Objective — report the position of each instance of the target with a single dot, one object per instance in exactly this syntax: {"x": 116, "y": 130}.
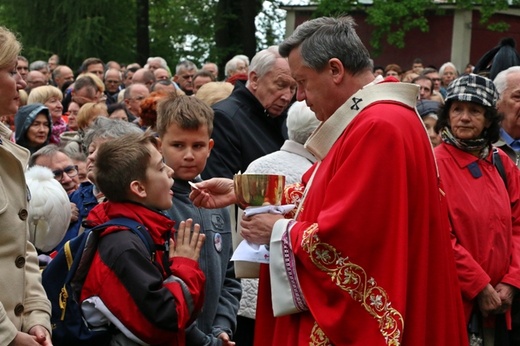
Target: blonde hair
{"x": 212, "y": 92}
{"x": 23, "y": 97}
{"x": 43, "y": 93}
{"x": 9, "y": 47}
{"x": 89, "y": 112}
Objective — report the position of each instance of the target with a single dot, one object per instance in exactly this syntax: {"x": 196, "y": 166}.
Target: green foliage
{"x": 178, "y": 29}
{"x": 498, "y": 27}
{"x": 182, "y": 29}
{"x": 491, "y": 6}
{"x": 73, "y": 30}
{"x": 392, "y": 19}
{"x": 335, "y": 8}
{"x": 269, "y": 24}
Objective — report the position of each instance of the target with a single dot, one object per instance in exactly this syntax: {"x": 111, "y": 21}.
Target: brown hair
{"x": 204, "y": 73}
{"x": 91, "y": 61}
{"x": 91, "y": 81}
{"x": 185, "y": 111}
{"x": 121, "y": 161}
{"x": 394, "y": 67}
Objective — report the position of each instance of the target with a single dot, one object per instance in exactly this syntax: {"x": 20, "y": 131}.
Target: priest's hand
{"x": 506, "y": 293}
{"x": 257, "y": 229}
{"x": 488, "y": 300}
{"x": 213, "y": 193}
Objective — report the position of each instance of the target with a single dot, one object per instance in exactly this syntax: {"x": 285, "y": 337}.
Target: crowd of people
{"x": 406, "y": 229}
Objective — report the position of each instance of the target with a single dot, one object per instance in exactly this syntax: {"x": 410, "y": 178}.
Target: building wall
{"x": 483, "y": 40}
{"x": 437, "y": 46}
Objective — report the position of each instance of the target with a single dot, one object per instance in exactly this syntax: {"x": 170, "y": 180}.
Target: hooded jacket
{"x": 152, "y": 307}
{"x": 24, "y": 119}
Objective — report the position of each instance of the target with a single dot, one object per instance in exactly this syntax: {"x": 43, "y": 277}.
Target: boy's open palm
{"x": 188, "y": 244}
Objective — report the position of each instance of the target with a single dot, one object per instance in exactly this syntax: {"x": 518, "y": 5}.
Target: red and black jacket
{"x": 151, "y": 304}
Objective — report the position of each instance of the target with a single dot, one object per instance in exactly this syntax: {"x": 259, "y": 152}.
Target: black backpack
{"x": 63, "y": 280}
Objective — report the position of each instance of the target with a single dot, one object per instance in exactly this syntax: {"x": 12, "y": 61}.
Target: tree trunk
{"x": 235, "y": 28}
{"x": 143, "y": 35}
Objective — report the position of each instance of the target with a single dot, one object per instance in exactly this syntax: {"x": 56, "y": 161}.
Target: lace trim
{"x": 290, "y": 269}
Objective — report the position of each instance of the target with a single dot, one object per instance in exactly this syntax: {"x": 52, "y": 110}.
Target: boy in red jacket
{"x": 149, "y": 300}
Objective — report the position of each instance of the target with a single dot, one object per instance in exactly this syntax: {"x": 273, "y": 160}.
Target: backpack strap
{"x": 142, "y": 233}
{"x": 497, "y": 162}
{"x": 136, "y": 228}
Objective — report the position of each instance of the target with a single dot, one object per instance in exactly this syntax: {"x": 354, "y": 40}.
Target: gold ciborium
{"x": 256, "y": 190}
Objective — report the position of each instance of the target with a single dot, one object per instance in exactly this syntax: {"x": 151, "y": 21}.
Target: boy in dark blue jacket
{"x": 184, "y": 125}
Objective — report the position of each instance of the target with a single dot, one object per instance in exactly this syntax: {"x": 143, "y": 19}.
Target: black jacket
{"x": 243, "y": 132}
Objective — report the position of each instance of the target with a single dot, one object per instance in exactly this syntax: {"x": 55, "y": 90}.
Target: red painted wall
{"x": 482, "y": 40}
{"x": 434, "y": 46}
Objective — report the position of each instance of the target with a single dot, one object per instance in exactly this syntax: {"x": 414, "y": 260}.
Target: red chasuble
{"x": 371, "y": 245}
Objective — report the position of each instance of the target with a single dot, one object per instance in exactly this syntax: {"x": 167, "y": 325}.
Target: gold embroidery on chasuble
{"x": 353, "y": 279}
{"x": 318, "y": 337}
{"x": 293, "y": 194}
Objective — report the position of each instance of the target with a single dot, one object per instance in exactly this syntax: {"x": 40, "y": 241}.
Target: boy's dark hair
{"x": 121, "y": 161}
{"x": 187, "y": 112}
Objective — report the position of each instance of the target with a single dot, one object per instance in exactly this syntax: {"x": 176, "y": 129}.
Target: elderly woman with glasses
{"x": 482, "y": 192}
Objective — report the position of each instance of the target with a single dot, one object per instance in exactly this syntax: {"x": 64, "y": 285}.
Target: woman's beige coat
{"x": 23, "y": 302}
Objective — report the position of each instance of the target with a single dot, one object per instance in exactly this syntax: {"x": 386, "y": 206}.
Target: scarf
{"x": 468, "y": 145}
{"x": 57, "y": 129}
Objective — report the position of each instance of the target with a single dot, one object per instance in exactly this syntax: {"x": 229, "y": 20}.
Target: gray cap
{"x": 473, "y": 88}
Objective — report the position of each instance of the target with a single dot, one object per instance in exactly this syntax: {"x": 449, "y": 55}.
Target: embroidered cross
{"x": 355, "y": 105}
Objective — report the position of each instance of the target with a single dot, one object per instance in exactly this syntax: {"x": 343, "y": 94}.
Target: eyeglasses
{"x": 71, "y": 171}
{"x": 436, "y": 79}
